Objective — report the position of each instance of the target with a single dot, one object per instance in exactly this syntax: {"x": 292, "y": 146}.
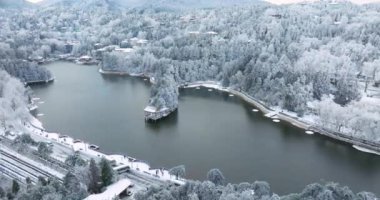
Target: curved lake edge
{"x": 357, "y": 143}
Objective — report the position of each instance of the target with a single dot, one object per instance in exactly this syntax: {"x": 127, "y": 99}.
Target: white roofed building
{"x": 116, "y": 190}
{"x": 153, "y": 113}
{"x": 124, "y": 50}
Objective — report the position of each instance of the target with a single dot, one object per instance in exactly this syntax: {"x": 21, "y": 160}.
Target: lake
{"x": 209, "y": 130}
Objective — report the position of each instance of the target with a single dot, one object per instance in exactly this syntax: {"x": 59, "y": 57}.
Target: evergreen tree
{"x": 28, "y": 180}
{"x": 2, "y": 192}
{"x": 44, "y": 150}
{"x": 106, "y": 172}
{"x": 73, "y": 188}
{"x": 42, "y": 181}
{"x": 216, "y": 176}
{"x": 70, "y": 182}
{"x": 94, "y": 178}
{"x": 178, "y": 171}
{"x": 75, "y": 160}
{"x": 15, "y": 186}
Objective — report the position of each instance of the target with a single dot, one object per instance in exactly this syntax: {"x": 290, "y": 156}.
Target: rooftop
{"x": 125, "y": 50}
{"x": 112, "y": 191}
{"x": 153, "y": 109}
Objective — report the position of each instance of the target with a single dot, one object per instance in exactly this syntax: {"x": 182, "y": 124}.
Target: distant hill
{"x": 183, "y": 4}
{"x": 169, "y": 4}
{"x": 198, "y": 3}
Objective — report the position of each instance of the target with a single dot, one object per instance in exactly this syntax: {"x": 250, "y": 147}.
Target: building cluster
{"x": 126, "y": 46}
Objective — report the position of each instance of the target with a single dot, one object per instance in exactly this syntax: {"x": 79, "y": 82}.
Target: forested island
{"x": 318, "y": 62}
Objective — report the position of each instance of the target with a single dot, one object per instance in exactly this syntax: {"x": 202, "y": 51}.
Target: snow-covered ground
{"x": 32, "y": 162}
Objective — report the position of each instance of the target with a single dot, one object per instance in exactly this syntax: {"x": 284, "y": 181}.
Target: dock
{"x": 271, "y": 114}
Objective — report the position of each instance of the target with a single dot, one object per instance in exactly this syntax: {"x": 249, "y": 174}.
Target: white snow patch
{"x": 255, "y": 110}
{"x": 365, "y": 150}
{"x": 151, "y": 109}
{"x": 36, "y": 123}
{"x": 276, "y": 120}
{"x": 370, "y": 100}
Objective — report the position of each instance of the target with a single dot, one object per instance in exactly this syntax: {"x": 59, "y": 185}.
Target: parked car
{"x": 93, "y": 147}
{"x": 11, "y": 133}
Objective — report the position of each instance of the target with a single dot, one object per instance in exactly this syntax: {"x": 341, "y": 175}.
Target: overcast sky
{"x": 284, "y": 1}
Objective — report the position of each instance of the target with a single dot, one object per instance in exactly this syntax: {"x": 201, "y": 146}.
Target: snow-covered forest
{"x": 286, "y": 56}
{"x": 14, "y": 98}
{"x": 19, "y": 49}
{"x": 294, "y": 57}
{"x": 215, "y": 189}
{"x": 320, "y": 61}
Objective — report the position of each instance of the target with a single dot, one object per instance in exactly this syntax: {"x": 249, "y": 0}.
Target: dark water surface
{"x": 209, "y": 130}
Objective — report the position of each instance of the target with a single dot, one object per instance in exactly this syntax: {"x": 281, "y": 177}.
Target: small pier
{"x": 271, "y": 114}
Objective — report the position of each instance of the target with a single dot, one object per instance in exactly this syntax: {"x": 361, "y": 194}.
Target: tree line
{"x": 216, "y": 187}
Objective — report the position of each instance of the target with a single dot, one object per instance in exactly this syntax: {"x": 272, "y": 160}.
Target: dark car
{"x": 93, "y": 147}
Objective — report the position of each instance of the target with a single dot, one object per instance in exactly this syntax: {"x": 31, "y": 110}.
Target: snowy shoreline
{"x": 136, "y": 165}
{"x": 358, "y": 145}
{"x": 121, "y": 73}
{"x": 297, "y": 122}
